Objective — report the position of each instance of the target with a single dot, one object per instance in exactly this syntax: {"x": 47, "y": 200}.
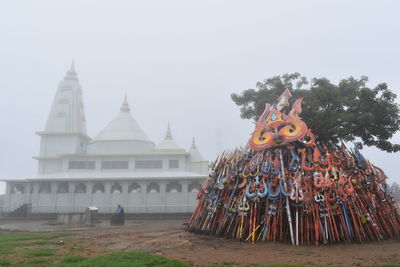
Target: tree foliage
{"x": 343, "y": 111}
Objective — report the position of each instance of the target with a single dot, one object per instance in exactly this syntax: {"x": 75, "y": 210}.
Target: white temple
{"x": 121, "y": 165}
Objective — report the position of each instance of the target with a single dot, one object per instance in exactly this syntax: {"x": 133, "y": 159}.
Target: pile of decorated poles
{"x": 297, "y": 193}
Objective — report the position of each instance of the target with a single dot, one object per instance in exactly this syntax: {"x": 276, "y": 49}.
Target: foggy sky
{"x": 179, "y": 61}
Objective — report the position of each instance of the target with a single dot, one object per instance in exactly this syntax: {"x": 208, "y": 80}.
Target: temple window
{"x": 98, "y": 188}
{"x": 153, "y": 187}
{"x": 194, "y": 186}
{"x": 81, "y": 165}
{"x": 80, "y": 188}
{"x": 134, "y": 188}
{"x": 148, "y": 164}
{"x": 174, "y": 187}
{"x": 173, "y": 164}
{"x": 45, "y": 188}
{"x": 63, "y": 188}
{"x": 114, "y": 165}
{"x": 116, "y": 188}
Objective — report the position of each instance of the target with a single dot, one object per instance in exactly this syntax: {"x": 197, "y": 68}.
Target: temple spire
{"x": 193, "y": 143}
{"x": 125, "y": 105}
{"x": 169, "y": 143}
{"x": 194, "y": 152}
{"x": 71, "y": 74}
{"x": 168, "y": 135}
{"x": 72, "y": 69}
{"x": 67, "y": 111}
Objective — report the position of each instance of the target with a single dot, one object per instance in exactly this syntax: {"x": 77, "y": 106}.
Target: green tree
{"x": 343, "y": 111}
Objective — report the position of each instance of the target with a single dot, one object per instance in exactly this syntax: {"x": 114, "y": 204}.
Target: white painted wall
{"x": 2, "y": 188}
{"x": 119, "y": 147}
{"x": 133, "y": 202}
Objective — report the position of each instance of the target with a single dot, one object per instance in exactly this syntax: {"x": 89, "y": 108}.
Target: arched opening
{"x": 98, "y": 188}
{"x": 63, "y": 188}
{"x": 194, "y": 187}
{"x": 174, "y": 187}
{"x": 116, "y": 188}
{"x": 153, "y": 187}
{"x": 18, "y": 189}
{"x": 134, "y": 188}
{"x": 45, "y": 188}
{"x": 80, "y": 188}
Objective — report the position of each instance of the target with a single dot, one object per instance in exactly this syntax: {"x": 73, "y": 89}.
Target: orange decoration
{"x": 275, "y": 128}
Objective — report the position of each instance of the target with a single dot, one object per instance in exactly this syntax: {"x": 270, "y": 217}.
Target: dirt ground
{"x": 168, "y": 238}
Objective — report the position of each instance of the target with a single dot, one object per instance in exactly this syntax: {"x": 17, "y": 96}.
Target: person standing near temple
{"x": 119, "y": 217}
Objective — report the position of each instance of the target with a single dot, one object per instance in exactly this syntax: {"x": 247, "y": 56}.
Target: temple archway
{"x": 174, "y": 187}
{"x": 134, "y": 188}
{"x": 153, "y": 187}
{"x": 62, "y": 188}
{"x": 18, "y": 189}
{"x": 194, "y": 187}
{"x": 80, "y": 188}
{"x": 45, "y": 188}
{"x": 98, "y": 188}
{"x": 116, "y": 188}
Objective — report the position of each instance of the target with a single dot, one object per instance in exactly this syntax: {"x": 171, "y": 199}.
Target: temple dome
{"x": 168, "y": 143}
{"x": 122, "y": 127}
{"x": 122, "y": 135}
{"x": 194, "y": 152}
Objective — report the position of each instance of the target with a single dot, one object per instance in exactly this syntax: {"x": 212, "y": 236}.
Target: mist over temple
{"x": 120, "y": 165}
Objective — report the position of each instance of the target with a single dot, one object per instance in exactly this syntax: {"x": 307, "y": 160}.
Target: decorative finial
{"x": 125, "y": 105}
{"x": 72, "y": 69}
{"x": 193, "y": 143}
{"x": 168, "y": 135}
{"x": 71, "y": 74}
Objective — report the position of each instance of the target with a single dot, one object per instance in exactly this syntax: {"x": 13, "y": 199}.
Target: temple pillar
{"x": 53, "y": 197}
{"x": 185, "y": 188}
{"x": 71, "y": 190}
{"x": 107, "y": 196}
{"x": 125, "y": 186}
{"x": 89, "y": 189}
{"x": 7, "y": 201}
{"x": 163, "y": 192}
{"x": 35, "y": 196}
{"x": 143, "y": 186}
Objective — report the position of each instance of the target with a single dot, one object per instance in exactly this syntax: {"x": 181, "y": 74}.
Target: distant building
{"x": 121, "y": 165}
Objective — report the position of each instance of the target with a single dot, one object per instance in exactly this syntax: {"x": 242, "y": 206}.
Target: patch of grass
{"x": 40, "y": 252}
{"x": 41, "y": 243}
{"x": 10, "y": 240}
{"x": 76, "y": 248}
{"x": 4, "y": 262}
{"x": 16, "y": 236}
{"x": 38, "y": 261}
{"x": 125, "y": 259}
{"x": 73, "y": 259}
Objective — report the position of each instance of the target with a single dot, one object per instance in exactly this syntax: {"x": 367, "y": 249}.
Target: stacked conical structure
{"x": 285, "y": 186}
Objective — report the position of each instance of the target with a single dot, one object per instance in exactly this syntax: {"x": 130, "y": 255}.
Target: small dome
{"x": 168, "y": 143}
{"x": 194, "y": 152}
{"x": 122, "y": 127}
